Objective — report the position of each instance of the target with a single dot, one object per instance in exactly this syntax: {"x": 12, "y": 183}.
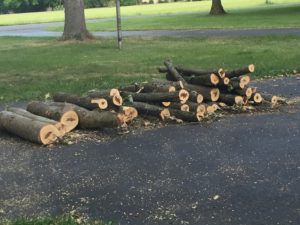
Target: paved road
{"x": 40, "y": 30}
{"x": 240, "y": 170}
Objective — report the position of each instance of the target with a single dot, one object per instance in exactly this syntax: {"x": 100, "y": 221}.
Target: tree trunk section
{"x": 150, "y": 110}
{"x": 217, "y": 8}
{"x": 28, "y": 129}
{"x": 75, "y": 26}
{"x": 65, "y": 116}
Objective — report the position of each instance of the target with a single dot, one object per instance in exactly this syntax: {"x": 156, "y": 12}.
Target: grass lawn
{"x": 201, "y": 7}
{"x": 33, "y": 67}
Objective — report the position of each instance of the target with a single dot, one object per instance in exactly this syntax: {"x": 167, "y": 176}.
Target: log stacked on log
{"x": 186, "y": 94}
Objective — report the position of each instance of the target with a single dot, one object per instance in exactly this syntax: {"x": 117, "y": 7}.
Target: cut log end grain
{"x": 114, "y": 92}
{"x": 239, "y": 100}
{"x": 130, "y": 113}
{"x": 201, "y": 109}
{"x": 226, "y": 81}
{"x": 166, "y": 104}
{"x": 165, "y": 114}
{"x": 221, "y": 73}
{"x": 185, "y": 108}
{"x": 251, "y": 68}
{"x": 257, "y": 98}
{"x": 102, "y": 103}
{"x": 49, "y": 134}
{"x": 69, "y": 120}
{"x": 117, "y": 100}
{"x": 172, "y": 89}
{"x": 245, "y": 79}
{"x": 183, "y": 96}
{"x": 214, "y": 79}
{"x": 215, "y": 94}
{"x": 199, "y": 116}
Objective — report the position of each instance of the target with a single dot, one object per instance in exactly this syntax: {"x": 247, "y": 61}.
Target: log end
{"x": 69, "y": 120}
{"x": 130, "y": 113}
{"x": 245, "y": 79}
{"x": 214, "y": 79}
{"x": 172, "y": 89}
{"x": 183, "y": 95}
{"x": 185, "y": 108}
{"x": 215, "y": 94}
{"x": 251, "y": 68}
{"x": 221, "y": 73}
{"x": 226, "y": 81}
{"x": 49, "y": 134}
{"x": 248, "y": 92}
{"x": 200, "y": 98}
{"x": 201, "y": 109}
{"x": 102, "y": 103}
{"x": 165, "y": 114}
{"x": 257, "y": 98}
{"x": 239, "y": 100}
{"x": 166, "y": 104}
{"x": 199, "y": 116}
{"x": 117, "y": 100}
{"x": 114, "y": 92}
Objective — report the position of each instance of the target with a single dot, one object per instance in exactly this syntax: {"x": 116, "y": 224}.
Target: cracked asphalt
{"x": 242, "y": 169}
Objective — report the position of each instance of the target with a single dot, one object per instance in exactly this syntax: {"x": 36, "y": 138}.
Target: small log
{"x": 93, "y": 119}
{"x": 181, "y": 95}
{"x": 150, "y": 110}
{"x": 111, "y": 101}
{"x": 22, "y": 112}
{"x": 130, "y": 113}
{"x": 211, "y": 107}
{"x": 28, "y": 129}
{"x": 195, "y": 97}
{"x": 194, "y": 107}
{"x": 247, "y": 91}
{"x": 209, "y": 94}
{"x": 146, "y": 87}
{"x": 101, "y": 93}
{"x": 85, "y": 102}
{"x": 256, "y": 98}
{"x": 240, "y": 72}
{"x": 270, "y": 98}
{"x": 186, "y": 116}
{"x": 179, "y": 106}
{"x": 224, "y": 82}
{"x": 67, "y": 117}
{"x": 231, "y": 99}
{"x": 206, "y": 80}
{"x": 174, "y": 73}
{"x": 193, "y": 72}
{"x": 236, "y": 84}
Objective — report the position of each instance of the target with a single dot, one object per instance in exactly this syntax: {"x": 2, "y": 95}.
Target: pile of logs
{"x": 186, "y": 94}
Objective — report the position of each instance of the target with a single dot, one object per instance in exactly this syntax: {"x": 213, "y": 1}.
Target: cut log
{"x": 224, "y": 82}
{"x": 67, "y": 117}
{"x": 146, "y": 87}
{"x": 270, "y": 98}
{"x": 194, "y": 107}
{"x": 256, "y": 98}
{"x": 181, "y": 96}
{"x": 240, "y": 72}
{"x": 236, "y": 84}
{"x": 231, "y": 99}
{"x": 174, "y": 73}
{"x": 103, "y": 93}
{"x": 22, "y": 112}
{"x": 186, "y": 116}
{"x": 195, "y": 97}
{"x": 206, "y": 80}
{"x": 209, "y": 94}
{"x": 93, "y": 119}
{"x": 28, "y": 129}
{"x": 179, "y": 106}
{"x": 150, "y": 110}
{"x": 247, "y": 91}
{"x": 130, "y": 113}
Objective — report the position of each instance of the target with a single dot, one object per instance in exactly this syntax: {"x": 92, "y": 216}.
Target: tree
{"x": 75, "y": 26}
{"x": 217, "y": 8}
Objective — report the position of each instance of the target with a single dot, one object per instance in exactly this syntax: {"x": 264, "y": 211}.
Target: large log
{"x": 186, "y": 116}
{"x": 240, "y": 72}
{"x": 92, "y": 119}
{"x": 231, "y": 99}
{"x": 150, "y": 110}
{"x": 22, "y": 112}
{"x": 28, "y": 129}
{"x": 174, "y": 73}
{"x": 158, "y": 97}
{"x": 206, "y": 80}
{"x": 209, "y": 94}
{"x": 66, "y": 116}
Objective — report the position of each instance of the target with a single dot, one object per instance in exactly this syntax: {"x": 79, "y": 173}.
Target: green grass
{"x": 33, "y": 67}
{"x": 287, "y": 17}
{"x": 62, "y": 220}
{"x": 170, "y": 8}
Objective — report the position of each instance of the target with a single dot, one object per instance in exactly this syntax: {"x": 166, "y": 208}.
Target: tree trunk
{"x": 75, "y": 27}
{"x": 217, "y": 8}
{"x": 66, "y": 116}
{"x": 28, "y": 129}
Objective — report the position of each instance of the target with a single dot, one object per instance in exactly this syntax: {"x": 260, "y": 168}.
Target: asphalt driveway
{"x": 241, "y": 169}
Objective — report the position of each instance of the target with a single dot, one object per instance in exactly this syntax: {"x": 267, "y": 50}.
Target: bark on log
{"x": 209, "y": 94}
{"x": 28, "y": 129}
{"x": 22, "y": 112}
{"x": 174, "y": 73}
{"x": 195, "y": 97}
{"x": 206, "y": 80}
{"x": 67, "y": 117}
{"x": 231, "y": 99}
{"x": 240, "y": 72}
{"x": 186, "y": 116}
{"x": 256, "y": 98}
{"x": 247, "y": 91}
{"x": 150, "y": 110}
{"x": 179, "y": 106}
{"x": 270, "y": 98}
{"x": 193, "y": 72}
{"x": 194, "y": 107}
{"x": 181, "y": 95}
{"x": 103, "y": 93}
{"x": 149, "y": 87}
{"x": 92, "y": 119}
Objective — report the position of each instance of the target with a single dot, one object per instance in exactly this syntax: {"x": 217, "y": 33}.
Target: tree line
{"x": 19, "y": 6}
